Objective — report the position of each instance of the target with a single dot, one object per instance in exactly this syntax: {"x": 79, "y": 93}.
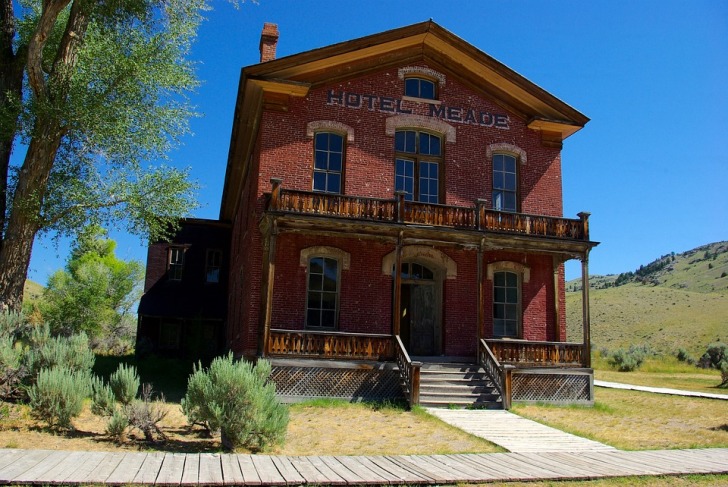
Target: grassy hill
{"x": 676, "y": 301}
{"x": 32, "y": 290}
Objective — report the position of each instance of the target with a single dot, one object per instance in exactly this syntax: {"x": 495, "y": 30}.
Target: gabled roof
{"x": 271, "y": 83}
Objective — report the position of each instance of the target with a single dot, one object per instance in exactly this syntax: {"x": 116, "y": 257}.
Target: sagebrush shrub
{"x": 627, "y": 360}
{"x": 58, "y": 394}
{"x": 124, "y": 382}
{"x": 716, "y": 357}
{"x": 237, "y": 399}
{"x": 73, "y": 352}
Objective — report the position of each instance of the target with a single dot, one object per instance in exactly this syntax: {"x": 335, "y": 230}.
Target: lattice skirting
{"x": 563, "y": 386}
{"x": 294, "y": 383}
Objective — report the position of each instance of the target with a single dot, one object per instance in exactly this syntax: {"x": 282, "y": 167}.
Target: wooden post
{"x": 266, "y": 286}
{"x": 557, "y": 302}
{"x": 275, "y": 194}
{"x": 480, "y": 205}
{"x": 415, "y": 392}
{"x": 507, "y": 378}
{"x": 399, "y": 195}
{"x": 584, "y": 215}
{"x": 481, "y": 294}
{"x": 586, "y": 359}
{"x": 397, "y": 300}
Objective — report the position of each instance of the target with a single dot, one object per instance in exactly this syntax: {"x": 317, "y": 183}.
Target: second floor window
{"x": 418, "y": 165}
{"x": 213, "y": 265}
{"x": 505, "y": 182}
{"x": 328, "y": 164}
{"x": 176, "y": 263}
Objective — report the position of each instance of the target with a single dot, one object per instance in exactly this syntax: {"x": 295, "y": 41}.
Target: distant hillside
{"x": 32, "y": 290}
{"x": 676, "y": 301}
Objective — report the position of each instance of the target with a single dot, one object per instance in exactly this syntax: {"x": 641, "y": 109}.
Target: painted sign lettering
{"x": 388, "y": 104}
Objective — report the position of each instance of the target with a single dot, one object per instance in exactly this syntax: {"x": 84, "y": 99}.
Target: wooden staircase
{"x": 457, "y": 385}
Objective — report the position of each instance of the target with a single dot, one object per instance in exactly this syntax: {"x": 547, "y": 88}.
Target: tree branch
{"x": 49, "y": 15}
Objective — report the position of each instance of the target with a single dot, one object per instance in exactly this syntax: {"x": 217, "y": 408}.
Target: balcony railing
{"x": 329, "y": 345}
{"x": 398, "y": 210}
{"x": 535, "y": 354}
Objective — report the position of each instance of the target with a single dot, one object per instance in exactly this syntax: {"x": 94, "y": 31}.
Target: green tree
{"x": 93, "y": 89}
{"x": 96, "y": 291}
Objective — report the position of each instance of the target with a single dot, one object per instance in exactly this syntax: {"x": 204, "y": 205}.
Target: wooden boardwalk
{"x": 515, "y": 433}
{"x": 660, "y": 390}
{"x": 177, "y": 469}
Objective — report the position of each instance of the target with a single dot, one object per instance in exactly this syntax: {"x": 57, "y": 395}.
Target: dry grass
{"x": 631, "y": 420}
{"x": 342, "y": 429}
{"x": 679, "y": 481}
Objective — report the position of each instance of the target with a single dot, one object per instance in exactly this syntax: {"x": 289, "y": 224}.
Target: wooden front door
{"x": 419, "y": 312}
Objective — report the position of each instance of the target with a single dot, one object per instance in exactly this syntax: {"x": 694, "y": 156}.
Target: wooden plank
{"x": 486, "y": 471}
{"x": 427, "y": 462}
{"x": 267, "y": 471}
{"x": 8, "y": 456}
{"x": 566, "y": 469}
{"x": 366, "y": 475}
{"x": 287, "y": 470}
{"x": 28, "y": 460}
{"x": 617, "y": 459}
{"x": 89, "y": 462}
{"x": 171, "y": 470}
{"x": 404, "y": 475}
{"x": 231, "y": 473}
{"x": 99, "y": 473}
{"x": 247, "y": 470}
{"x": 191, "y": 472}
{"x": 210, "y": 469}
{"x": 718, "y": 460}
{"x": 38, "y": 471}
{"x": 592, "y": 465}
{"x": 332, "y": 477}
{"x": 67, "y": 466}
{"x": 310, "y": 473}
{"x": 514, "y": 468}
{"x": 373, "y": 467}
{"x": 127, "y": 469}
{"x": 342, "y": 470}
{"x": 149, "y": 470}
{"x": 404, "y": 462}
{"x": 470, "y": 472}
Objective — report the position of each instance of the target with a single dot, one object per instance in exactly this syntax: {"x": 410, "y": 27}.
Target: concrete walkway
{"x": 515, "y": 433}
{"x": 660, "y": 390}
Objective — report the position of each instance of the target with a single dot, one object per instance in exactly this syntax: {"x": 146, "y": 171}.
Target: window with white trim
{"x": 505, "y": 182}
{"x": 506, "y": 304}
{"x": 328, "y": 164}
{"x": 323, "y": 293}
{"x": 175, "y": 263}
{"x": 418, "y": 165}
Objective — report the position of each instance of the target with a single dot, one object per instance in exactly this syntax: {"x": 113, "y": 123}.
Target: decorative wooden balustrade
{"x": 409, "y": 372}
{"x": 499, "y": 374}
{"x": 329, "y": 345}
{"x": 535, "y": 354}
{"x": 397, "y": 210}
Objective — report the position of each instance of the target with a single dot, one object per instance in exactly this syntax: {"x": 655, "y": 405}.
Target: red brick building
{"x": 394, "y": 196}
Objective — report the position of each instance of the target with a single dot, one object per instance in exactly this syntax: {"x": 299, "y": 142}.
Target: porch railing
{"x": 478, "y": 217}
{"x": 329, "y": 345}
{"x": 499, "y": 374}
{"x": 409, "y": 373}
{"x": 528, "y": 353}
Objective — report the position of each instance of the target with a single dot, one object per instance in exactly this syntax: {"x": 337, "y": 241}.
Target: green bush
{"x": 716, "y": 357}
{"x": 683, "y": 356}
{"x": 124, "y": 383}
{"x": 237, "y": 399}
{"x": 58, "y": 394}
{"x": 73, "y": 352}
{"x": 628, "y": 360}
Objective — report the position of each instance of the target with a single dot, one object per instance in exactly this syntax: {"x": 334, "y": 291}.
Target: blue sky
{"x": 651, "y": 166}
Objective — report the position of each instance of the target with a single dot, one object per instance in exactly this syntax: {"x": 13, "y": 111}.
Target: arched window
{"x": 418, "y": 165}
{"x": 505, "y": 182}
{"x": 322, "y": 304}
{"x": 328, "y": 164}
{"x": 506, "y": 304}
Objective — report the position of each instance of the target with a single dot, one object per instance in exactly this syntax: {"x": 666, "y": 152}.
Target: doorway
{"x": 420, "y": 310}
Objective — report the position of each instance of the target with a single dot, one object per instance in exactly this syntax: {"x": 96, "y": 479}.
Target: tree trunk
{"x": 25, "y": 220}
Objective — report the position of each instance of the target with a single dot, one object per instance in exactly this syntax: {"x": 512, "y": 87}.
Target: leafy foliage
{"x": 95, "y": 293}
{"x": 58, "y": 394}
{"x": 716, "y": 357}
{"x": 237, "y": 399}
{"x": 627, "y": 360}
{"x": 124, "y": 384}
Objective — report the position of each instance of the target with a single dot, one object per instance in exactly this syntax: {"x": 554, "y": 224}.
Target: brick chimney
{"x": 268, "y": 42}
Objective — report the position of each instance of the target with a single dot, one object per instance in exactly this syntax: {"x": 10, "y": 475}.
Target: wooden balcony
{"x": 477, "y": 218}
{"x": 523, "y": 353}
{"x": 329, "y": 345}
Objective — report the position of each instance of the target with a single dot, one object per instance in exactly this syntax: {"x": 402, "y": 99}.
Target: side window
{"x": 505, "y": 182}
{"x": 213, "y": 265}
{"x": 418, "y": 165}
{"x": 175, "y": 263}
{"x": 420, "y": 88}
{"x": 328, "y": 165}
{"x": 506, "y": 305}
{"x": 323, "y": 293}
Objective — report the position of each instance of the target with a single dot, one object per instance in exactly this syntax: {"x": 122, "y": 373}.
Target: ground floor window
{"x": 506, "y": 304}
{"x": 323, "y": 293}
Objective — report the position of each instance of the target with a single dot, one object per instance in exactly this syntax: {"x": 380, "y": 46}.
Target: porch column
{"x": 558, "y": 337}
{"x": 481, "y": 293}
{"x": 270, "y": 231}
{"x": 585, "y": 308}
{"x": 397, "y": 299}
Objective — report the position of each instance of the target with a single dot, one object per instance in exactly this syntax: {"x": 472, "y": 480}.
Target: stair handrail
{"x": 409, "y": 372}
{"x": 500, "y": 374}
